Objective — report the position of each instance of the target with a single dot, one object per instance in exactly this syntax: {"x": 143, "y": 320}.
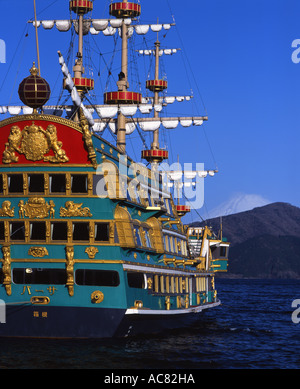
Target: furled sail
{"x": 107, "y": 26}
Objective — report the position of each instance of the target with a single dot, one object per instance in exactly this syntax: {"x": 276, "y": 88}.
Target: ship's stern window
{"x": 38, "y": 231}
{"x": 79, "y": 183}
{"x": 101, "y": 232}
{"x": 2, "y": 234}
{"x": 57, "y": 183}
{"x": 81, "y": 231}
{"x": 36, "y": 183}
{"x": 1, "y": 183}
{"x": 17, "y": 231}
{"x": 59, "y": 231}
{"x": 15, "y": 183}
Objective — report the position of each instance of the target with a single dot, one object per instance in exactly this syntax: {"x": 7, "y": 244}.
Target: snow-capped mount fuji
{"x": 239, "y": 202}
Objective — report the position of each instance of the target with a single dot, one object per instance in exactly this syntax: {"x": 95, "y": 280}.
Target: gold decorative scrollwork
{"x": 6, "y": 269}
{"x": 34, "y": 142}
{"x": 5, "y": 210}
{"x": 38, "y": 252}
{"x": 36, "y": 207}
{"x": 72, "y": 209}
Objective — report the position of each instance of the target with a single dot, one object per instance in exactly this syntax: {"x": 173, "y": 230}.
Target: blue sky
{"x": 240, "y": 56}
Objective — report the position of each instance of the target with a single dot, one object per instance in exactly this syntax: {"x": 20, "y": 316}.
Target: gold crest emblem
{"x": 36, "y": 207}
{"x": 34, "y": 142}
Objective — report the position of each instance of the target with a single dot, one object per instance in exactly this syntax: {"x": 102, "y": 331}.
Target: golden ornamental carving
{"x": 91, "y": 252}
{"x": 36, "y": 207}
{"x": 87, "y": 137}
{"x": 97, "y": 297}
{"x": 38, "y": 252}
{"x": 70, "y": 269}
{"x": 34, "y": 142}
{"x": 149, "y": 283}
{"x": 71, "y": 209}
{"x": 5, "y": 210}
{"x": 6, "y": 269}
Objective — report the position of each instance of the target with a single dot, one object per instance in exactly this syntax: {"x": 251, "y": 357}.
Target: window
{"x": 99, "y": 185}
{"x": 2, "y": 234}
{"x": 97, "y": 277}
{"x": 38, "y": 231}
{"x": 15, "y": 183}
{"x": 102, "y": 232}
{"x": 1, "y": 183}
{"x": 147, "y": 238}
{"x": 57, "y": 183}
{"x": 81, "y": 231}
{"x": 137, "y": 235}
{"x": 36, "y": 183}
{"x": 79, "y": 183}
{"x": 136, "y": 280}
{"x": 59, "y": 231}
{"x": 39, "y": 276}
{"x": 17, "y": 231}
{"x": 223, "y": 251}
{"x": 1, "y": 276}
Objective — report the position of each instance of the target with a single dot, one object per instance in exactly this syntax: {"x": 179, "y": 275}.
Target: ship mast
{"x": 123, "y": 10}
{"x": 155, "y": 155}
{"x": 82, "y": 84}
{"x": 37, "y": 39}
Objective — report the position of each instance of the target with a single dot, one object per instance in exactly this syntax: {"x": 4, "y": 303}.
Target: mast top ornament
{"x": 34, "y": 91}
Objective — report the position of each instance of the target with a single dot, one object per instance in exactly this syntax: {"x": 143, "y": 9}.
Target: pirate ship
{"x": 92, "y": 242}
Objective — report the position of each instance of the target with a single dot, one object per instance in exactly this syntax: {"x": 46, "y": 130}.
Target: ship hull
{"x": 80, "y": 322}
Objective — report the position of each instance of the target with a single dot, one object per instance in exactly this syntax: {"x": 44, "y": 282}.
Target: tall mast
{"x": 37, "y": 39}
{"x": 123, "y": 10}
{"x": 155, "y": 155}
{"x": 82, "y": 84}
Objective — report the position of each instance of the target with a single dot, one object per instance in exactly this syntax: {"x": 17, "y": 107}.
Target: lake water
{"x": 252, "y": 329}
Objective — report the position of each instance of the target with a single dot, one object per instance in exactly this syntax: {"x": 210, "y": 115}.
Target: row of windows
{"x": 24, "y": 183}
{"x": 63, "y": 231}
{"x": 175, "y": 245}
{"x": 168, "y": 283}
{"x": 90, "y": 277}
{"x": 58, "y": 183}
{"x": 21, "y": 231}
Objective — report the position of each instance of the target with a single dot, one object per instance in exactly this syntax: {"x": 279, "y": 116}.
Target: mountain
{"x": 239, "y": 202}
{"x": 265, "y": 241}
